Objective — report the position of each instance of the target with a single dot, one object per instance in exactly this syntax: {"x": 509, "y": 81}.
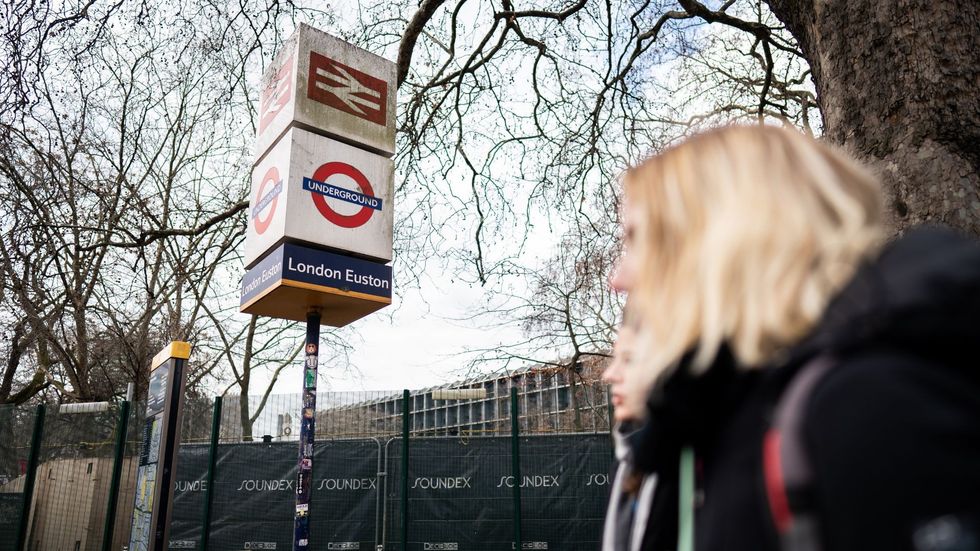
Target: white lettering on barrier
{"x": 347, "y": 484}
{"x": 190, "y": 485}
{"x": 265, "y": 486}
{"x": 445, "y": 483}
{"x": 441, "y": 546}
{"x": 536, "y": 481}
{"x": 598, "y": 479}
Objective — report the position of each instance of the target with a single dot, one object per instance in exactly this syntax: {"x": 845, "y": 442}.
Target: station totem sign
{"x": 322, "y": 182}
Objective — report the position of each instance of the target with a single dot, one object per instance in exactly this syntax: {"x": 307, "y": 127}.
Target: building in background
{"x": 551, "y": 399}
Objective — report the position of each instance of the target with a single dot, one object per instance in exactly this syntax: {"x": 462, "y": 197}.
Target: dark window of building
{"x": 563, "y": 398}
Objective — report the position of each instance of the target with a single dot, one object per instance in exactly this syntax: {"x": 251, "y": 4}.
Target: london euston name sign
{"x": 293, "y": 278}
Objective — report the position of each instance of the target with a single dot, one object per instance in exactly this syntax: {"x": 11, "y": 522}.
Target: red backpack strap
{"x": 786, "y": 465}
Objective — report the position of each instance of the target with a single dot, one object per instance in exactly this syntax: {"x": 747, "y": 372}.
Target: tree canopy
{"x": 125, "y": 150}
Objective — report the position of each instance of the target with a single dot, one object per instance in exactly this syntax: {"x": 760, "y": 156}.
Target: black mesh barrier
{"x": 346, "y": 494}
{"x": 10, "y": 507}
{"x": 455, "y": 496}
{"x": 564, "y": 490}
{"x": 254, "y": 496}
{"x": 459, "y": 475}
{"x": 461, "y": 492}
{"x": 16, "y": 427}
{"x": 190, "y": 485}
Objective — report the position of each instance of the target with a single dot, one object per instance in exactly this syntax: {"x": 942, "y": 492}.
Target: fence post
{"x": 31, "y": 475}
{"x": 406, "y": 425}
{"x": 212, "y": 460}
{"x": 515, "y": 427}
{"x": 612, "y": 419}
{"x": 122, "y": 430}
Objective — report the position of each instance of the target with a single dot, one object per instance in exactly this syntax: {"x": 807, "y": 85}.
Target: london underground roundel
{"x": 321, "y": 191}
{"x": 266, "y": 200}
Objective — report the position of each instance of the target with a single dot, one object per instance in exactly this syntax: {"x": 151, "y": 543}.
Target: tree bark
{"x": 897, "y": 83}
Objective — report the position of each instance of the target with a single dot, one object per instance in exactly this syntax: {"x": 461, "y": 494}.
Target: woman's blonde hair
{"x": 744, "y": 234}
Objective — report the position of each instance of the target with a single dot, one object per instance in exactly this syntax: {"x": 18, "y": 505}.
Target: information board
{"x": 158, "y": 449}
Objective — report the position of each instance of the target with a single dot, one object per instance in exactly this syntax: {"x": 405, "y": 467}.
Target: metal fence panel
{"x": 16, "y": 426}
{"x": 459, "y": 477}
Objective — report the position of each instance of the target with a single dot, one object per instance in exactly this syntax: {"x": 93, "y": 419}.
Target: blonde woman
{"x": 631, "y": 501}
{"x": 807, "y": 384}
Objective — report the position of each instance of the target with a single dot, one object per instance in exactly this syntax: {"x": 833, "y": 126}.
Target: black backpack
{"x": 789, "y": 478}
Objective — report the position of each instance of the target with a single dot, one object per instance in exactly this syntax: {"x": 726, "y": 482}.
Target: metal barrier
{"x": 503, "y": 468}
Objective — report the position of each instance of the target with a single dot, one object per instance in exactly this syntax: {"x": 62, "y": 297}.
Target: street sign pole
{"x": 307, "y": 434}
{"x": 320, "y": 220}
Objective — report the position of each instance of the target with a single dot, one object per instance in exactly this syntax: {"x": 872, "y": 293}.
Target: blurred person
{"x": 810, "y": 386}
{"x": 631, "y": 501}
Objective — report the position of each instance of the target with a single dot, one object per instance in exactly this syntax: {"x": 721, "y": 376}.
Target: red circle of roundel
{"x": 271, "y": 177}
{"x": 357, "y": 219}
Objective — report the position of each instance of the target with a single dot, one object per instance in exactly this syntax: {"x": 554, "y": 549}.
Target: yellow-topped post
{"x": 158, "y": 452}
{"x": 176, "y": 349}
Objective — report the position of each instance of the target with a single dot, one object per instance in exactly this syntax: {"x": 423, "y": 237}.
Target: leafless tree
{"x": 528, "y": 114}
{"x": 124, "y": 170}
{"x": 125, "y": 129}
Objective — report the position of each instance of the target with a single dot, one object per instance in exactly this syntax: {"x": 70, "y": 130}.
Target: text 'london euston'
{"x": 348, "y": 275}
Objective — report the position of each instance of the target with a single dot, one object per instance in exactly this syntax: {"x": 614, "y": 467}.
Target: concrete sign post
{"x": 158, "y": 451}
{"x": 320, "y": 217}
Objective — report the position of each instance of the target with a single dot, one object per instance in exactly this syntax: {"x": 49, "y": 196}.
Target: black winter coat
{"x": 893, "y": 431}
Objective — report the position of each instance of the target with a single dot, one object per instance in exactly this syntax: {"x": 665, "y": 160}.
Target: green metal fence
{"x": 514, "y": 464}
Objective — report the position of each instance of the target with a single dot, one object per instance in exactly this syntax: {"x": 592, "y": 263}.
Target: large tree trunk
{"x": 898, "y": 82}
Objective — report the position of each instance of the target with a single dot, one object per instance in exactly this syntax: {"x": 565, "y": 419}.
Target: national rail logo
{"x": 345, "y": 88}
{"x": 277, "y": 95}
